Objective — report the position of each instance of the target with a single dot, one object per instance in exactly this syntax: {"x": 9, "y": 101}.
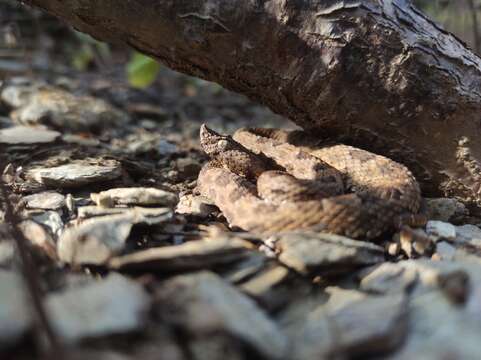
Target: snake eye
{"x": 222, "y": 144}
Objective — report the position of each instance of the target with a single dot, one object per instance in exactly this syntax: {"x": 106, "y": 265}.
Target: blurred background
{"x": 461, "y": 17}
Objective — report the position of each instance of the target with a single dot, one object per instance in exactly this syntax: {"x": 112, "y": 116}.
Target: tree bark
{"x": 372, "y": 73}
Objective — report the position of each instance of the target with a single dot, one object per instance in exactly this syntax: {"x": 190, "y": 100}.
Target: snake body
{"x": 264, "y": 184}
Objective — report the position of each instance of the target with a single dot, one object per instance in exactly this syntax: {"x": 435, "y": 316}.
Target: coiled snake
{"x": 264, "y": 184}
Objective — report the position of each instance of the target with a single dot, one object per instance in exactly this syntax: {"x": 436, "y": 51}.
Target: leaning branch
{"x": 377, "y": 74}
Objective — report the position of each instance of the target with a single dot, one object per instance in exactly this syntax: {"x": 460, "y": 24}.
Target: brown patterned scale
{"x": 264, "y": 184}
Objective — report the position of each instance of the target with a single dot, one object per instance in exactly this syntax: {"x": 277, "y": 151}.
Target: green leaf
{"x": 142, "y": 70}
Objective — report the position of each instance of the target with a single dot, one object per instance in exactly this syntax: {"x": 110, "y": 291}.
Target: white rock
{"x": 27, "y": 135}
{"x": 441, "y": 229}
{"x": 47, "y": 200}
{"x": 110, "y": 306}
{"x": 134, "y": 196}
{"x": 95, "y": 240}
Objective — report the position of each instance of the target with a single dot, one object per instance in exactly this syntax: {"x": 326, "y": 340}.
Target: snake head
{"x": 214, "y": 143}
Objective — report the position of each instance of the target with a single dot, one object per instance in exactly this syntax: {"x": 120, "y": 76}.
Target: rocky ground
{"x": 130, "y": 263}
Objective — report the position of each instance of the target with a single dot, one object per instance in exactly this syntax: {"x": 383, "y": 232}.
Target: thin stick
{"x": 31, "y": 279}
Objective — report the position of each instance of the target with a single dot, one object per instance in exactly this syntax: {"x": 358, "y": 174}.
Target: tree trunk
{"x": 373, "y": 73}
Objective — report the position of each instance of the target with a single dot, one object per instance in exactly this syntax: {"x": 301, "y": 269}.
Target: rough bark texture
{"x": 373, "y": 73}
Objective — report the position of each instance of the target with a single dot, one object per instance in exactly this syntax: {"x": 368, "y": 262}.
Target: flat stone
{"x": 202, "y": 304}
{"x": 355, "y": 326}
{"x": 192, "y": 255}
{"x": 112, "y": 305}
{"x": 57, "y": 107}
{"x": 95, "y": 240}
{"x": 437, "y": 324}
{"x": 388, "y": 278}
{"x": 308, "y": 252}
{"x": 98, "y": 239}
{"x": 246, "y": 268}
{"x": 76, "y": 174}
{"x": 15, "y": 312}
{"x": 445, "y": 209}
{"x": 47, "y": 200}
{"x": 275, "y": 286}
{"x": 27, "y": 135}
{"x": 441, "y": 229}
{"x": 89, "y": 211}
{"x": 134, "y": 196}
{"x": 139, "y": 215}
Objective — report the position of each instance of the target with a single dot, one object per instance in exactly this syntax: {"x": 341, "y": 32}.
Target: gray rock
{"x": 76, "y": 174}
{"x": 197, "y": 254}
{"x": 202, "y": 304}
{"x": 51, "y": 220}
{"x": 441, "y": 230}
{"x": 245, "y": 268}
{"x": 216, "y": 347}
{"x": 47, "y": 200}
{"x": 445, "y": 251}
{"x": 135, "y": 196}
{"x": 15, "y": 312}
{"x": 165, "y": 147}
{"x": 388, "y": 278}
{"x": 350, "y": 324}
{"x": 307, "y": 252}
{"x": 275, "y": 286}
{"x": 7, "y": 253}
{"x": 53, "y": 106}
{"x": 439, "y": 326}
{"x": 27, "y": 135}
{"x": 109, "y": 306}
{"x": 445, "y": 209}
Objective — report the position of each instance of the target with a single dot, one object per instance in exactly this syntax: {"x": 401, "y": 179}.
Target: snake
{"x": 265, "y": 182}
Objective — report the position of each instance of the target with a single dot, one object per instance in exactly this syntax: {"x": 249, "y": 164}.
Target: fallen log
{"x": 375, "y": 74}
